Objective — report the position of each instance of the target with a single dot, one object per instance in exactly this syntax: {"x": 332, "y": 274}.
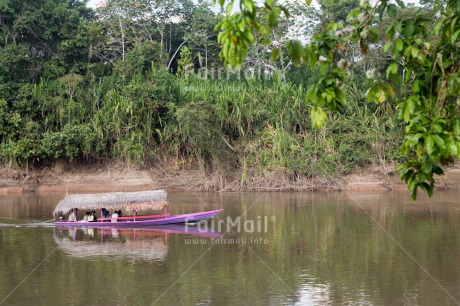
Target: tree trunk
{"x": 122, "y": 38}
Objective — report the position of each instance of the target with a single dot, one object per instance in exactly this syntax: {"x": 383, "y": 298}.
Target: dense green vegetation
{"x": 422, "y": 58}
{"x": 141, "y": 81}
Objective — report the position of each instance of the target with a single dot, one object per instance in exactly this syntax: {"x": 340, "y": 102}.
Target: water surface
{"x": 265, "y": 248}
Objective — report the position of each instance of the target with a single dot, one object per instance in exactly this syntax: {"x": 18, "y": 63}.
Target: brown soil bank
{"x": 120, "y": 177}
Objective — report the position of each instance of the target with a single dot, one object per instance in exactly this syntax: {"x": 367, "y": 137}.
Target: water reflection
{"x": 27, "y": 206}
{"x": 111, "y": 243}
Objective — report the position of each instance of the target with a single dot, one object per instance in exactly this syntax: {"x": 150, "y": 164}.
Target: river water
{"x": 264, "y": 248}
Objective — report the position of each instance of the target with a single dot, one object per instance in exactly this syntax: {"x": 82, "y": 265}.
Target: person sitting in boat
{"x": 90, "y": 217}
{"x": 106, "y": 214}
{"x": 59, "y": 216}
{"x": 93, "y": 213}
{"x": 72, "y": 216}
{"x": 86, "y": 217}
{"x": 115, "y": 216}
{"x": 120, "y": 214}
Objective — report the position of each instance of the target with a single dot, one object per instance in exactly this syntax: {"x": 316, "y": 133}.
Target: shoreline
{"x": 121, "y": 178}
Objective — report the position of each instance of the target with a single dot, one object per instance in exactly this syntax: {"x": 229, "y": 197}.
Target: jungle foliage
{"x": 141, "y": 81}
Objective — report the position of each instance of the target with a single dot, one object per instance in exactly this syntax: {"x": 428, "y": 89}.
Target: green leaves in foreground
{"x": 432, "y": 135}
{"x": 238, "y": 30}
{"x": 235, "y": 38}
{"x": 419, "y": 174}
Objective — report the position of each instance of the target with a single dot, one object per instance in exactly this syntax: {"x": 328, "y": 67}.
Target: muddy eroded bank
{"x": 120, "y": 177}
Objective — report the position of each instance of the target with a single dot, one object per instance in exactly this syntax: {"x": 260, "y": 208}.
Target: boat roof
{"x": 129, "y": 201}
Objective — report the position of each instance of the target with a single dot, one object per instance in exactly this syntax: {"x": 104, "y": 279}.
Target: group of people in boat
{"x": 114, "y": 217}
{"x": 90, "y": 216}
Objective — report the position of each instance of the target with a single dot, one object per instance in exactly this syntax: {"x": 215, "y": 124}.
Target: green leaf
{"x": 295, "y": 51}
{"x": 330, "y": 94}
{"x": 229, "y": 8}
{"x": 409, "y": 108}
{"x": 413, "y": 139}
{"x": 438, "y": 170}
{"x": 416, "y": 86}
{"x": 392, "y": 10}
{"x": 409, "y": 29}
{"x": 401, "y": 4}
{"x": 241, "y": 26}
{"x": 390, "y": 90}
{"x": 439, "y": 142}
{"x": 390, "y": 31}
{"x": 457, "y": 127}
{"x": 452, "y": 148}
{"x": 454, "y": 23}
{"x": 429, "y": 190}
{"x": 427, "y": 164}
{"x": 399, "y": 45}
{"x": 273, "y": 17}
{"x": 393, "y": 68}
{"x": 413, "y": 192}
{"x": 275, "y": 55}
{"x": 381, "y": 95}
{"x": 429, "y": 145}
{"x": 453, "y": 39}
{"x": 437, "y": 128}
{"x": 437, "y": 27}
{"x": 340, "y": 96}
{"x": 381, "y": 9}
{"x": 370, "y": 94}
{"x": 414, "y": 51}
{"x": 285, "y": 11}
{"x": 387, "y": 46}
{"x": 249, "y": 5}
{"x": 373, "y": 35}
{"x": 318, "y": 116}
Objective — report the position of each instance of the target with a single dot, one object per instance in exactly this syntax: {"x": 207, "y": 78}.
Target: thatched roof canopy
{"x": 129, "y": 201}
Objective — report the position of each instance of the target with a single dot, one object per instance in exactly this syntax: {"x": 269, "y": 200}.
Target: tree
{"x": 300, "y": 25}
{"x": 336, "y": 11}
{"x": 429, "y": 55}
{"x": 35, "y": 33}
{"x": 128, "y": 23}
{"x": 39, "y": 40}
{"x": 201, "y": 37}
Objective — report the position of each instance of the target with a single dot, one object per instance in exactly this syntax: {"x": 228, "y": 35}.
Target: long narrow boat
{"x": 129, "y": 201}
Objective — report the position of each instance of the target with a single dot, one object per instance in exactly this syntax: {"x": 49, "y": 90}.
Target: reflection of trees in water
{"x": 341, "y": 245}
{"x": 28, "y": 205}
{"x": 330, "y": 245}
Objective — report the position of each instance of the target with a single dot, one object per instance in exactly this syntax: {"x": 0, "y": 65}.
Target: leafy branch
{"x": 429, "y": 57}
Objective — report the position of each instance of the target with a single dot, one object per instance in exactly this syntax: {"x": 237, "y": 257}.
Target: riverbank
{"x": 121, "y": 177}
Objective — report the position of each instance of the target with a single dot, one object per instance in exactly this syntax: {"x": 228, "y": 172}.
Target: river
{"x": 264, "y": 248}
